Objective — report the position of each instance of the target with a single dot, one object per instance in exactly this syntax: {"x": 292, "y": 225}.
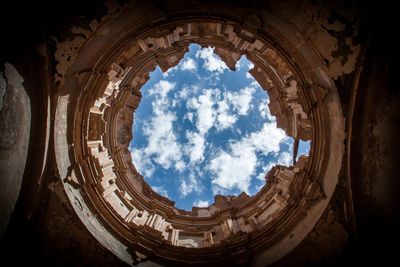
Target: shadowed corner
{"x": 71, "y": 74}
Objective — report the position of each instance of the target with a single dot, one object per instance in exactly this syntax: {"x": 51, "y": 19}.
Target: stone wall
{"x": 82, "y": 200}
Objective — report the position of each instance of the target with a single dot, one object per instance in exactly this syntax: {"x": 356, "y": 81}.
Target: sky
{"x": 202, "y": 130}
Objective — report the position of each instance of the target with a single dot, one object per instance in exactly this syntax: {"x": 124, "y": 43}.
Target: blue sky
{"x": 202, "y": 130}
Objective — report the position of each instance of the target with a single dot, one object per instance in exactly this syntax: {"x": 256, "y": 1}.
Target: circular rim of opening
{"x": 326, "y": 151}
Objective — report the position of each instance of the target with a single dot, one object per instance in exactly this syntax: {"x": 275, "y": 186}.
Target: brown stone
{"x": 82, "y": 201}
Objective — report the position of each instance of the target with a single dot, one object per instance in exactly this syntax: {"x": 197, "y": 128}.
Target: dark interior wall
{"x": 376, "y": 150}
{"x": 21, "y": 31}
{"x": 44, "y": 229}
{"x": 374, "y": 158}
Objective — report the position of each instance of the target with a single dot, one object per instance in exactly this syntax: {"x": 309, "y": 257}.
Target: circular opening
{"x": 97, "y": 164}
{"x": 202, "y": 130}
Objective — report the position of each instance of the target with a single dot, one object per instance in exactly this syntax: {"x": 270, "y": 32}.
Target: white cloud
{"x": 189, "y": 116}
{"x": 241, "y": 100}
{"x": 189, "y": 64}
{"x": 163, "y": 147}
{"x": 180, "y": 166}
{"x": 216, "y": 109}
{"x": 211, "y": 61}
{"x": 170, "y": 71}
{"x": 250, "y": 65}
{"x": 238, "y": 65}
{"x": 190, "y": 185}
{"x": 205, "y": 111}
{"x": 183, "y": 93}
{"x": 285, "y": 159}
{"x": 142, "y": 162}
{"x": 162, "y": 142}
{"x": 195, "y": 148}
{"x": 242, "y": 63}
{"x": 225, "y": 118}
{"x": 261, "y": 176}
{"x": 162, "y": 88}
{"x": 268, "y": 139}
{"x": 235, "y": 169}
{"x": 211, "y": 111}
{"x": 206, "y": 116}
{"x": 264, "y": 110}
{"x": 201, "y": 203}
{"x": 160, "y": 190}
{"x": 231, "y": 168}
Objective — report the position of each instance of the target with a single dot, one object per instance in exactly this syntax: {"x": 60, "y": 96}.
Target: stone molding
{"x": 93, "y": 124}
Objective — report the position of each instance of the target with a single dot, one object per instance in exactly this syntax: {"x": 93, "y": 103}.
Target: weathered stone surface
{"x": 15, "y": 120}
{"x": 93, "y": 202}
{"x": 135, "y": 209}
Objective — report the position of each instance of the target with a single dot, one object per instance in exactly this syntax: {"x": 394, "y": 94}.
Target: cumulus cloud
{"x": 205, "y": 111}
{"x": 170, "y": 71}
{"x": 201, "y": 203}
{"x": 162, "y": 88}
{"x": 160, "y": 190}
{"x": 205, "y": 114}
{"x": 214, "y": 109}
{"x": 142, "y": 162}
{"x": 195, "y": 148}
{"x": 285, "y": 159}
{"x": 231, "y": 166}
{"x": 190, "y": 185}
{"x": 189, "y": 116}
{"x": 180, "y": 166}
{"x": 189, "y": 64}
{"x": 225, "y": 118}
{"x": 243, "y": 62}
{"x": 241, "y": 100}
{"x": 268, "y": 139}
{"x": 250, "y": 65}
{"x": 211, "y": 61}
{"x": 183, "y": 93}
{"x": 234, "y": 169}
{"x": 238, "y": 65}
{"x": 220, "y": 110}
{"x": 264, "y": 110}
{"x": 162, "y": 143}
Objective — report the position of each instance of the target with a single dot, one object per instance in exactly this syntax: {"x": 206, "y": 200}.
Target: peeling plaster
{"x": 336, "y": 68}
{"x": 65, "y": 55}
{"x": 313, "y": 20}
{"x": 68, "y": 49}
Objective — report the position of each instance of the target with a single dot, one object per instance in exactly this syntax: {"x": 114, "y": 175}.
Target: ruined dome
{"x": 100, "y": 90}
{"x": 81, "y": 201}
